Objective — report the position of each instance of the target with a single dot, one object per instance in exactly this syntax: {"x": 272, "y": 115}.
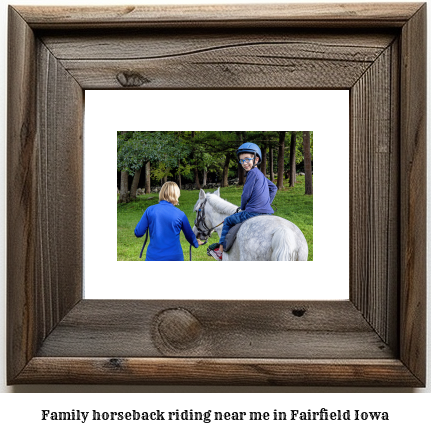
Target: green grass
{"x": 289, "y": 203}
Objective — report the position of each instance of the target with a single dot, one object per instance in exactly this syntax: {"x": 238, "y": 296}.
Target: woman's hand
{"x": 200, "y": 243}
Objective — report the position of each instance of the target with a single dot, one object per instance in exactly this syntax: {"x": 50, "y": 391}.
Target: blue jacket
{"x": 258, "y": 193}
{"x": 165, "y": 222}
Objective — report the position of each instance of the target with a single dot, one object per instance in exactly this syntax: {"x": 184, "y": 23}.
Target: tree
{"x": 222, "y": 144}
{"x": 241, "y": 140}
{"x": 135, "y": 183}
{"x": 263, "y": 150}
{"x": 124, "y": 188}
{"x": 271, "y": 164}
{"x": 292, "y": 180}
{"x": 280, "y": 168}
{"x": 195, "y": 169}
{"x": 124, "y": 182}
{"x": 138, "y": 148}
{"x": 200, "y": 157}
{"x": 148, "y": 177}
{"x": 307, "y": 164}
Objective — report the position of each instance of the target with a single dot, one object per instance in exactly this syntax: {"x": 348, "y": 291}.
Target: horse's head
{"x": 203, "y": 221}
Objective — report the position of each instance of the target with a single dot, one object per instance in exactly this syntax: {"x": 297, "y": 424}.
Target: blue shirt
{"x": 258, "y": 193}
{"x": 165, "y": 222}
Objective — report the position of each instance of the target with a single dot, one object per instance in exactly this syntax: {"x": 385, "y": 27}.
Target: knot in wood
{"x": 115, "y": 363}
{"x": 131, "y": 79}
{"x": 178, "y": 329}
{"x": 298, "y": 312}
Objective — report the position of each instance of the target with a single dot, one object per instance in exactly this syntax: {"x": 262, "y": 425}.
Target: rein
{"x": 145, "y": 242}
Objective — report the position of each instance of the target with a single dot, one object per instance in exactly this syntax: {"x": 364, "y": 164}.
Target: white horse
{"x": 261, "y": 238}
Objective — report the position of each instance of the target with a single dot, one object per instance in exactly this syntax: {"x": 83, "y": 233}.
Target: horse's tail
{"x": 285, "y": 246}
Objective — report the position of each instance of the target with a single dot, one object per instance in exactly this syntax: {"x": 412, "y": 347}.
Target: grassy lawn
{"x": 289, "y": 203}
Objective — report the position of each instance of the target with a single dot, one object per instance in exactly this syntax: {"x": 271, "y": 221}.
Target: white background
{"x": 219, "y": 110}
{"x": 23, "y": 410}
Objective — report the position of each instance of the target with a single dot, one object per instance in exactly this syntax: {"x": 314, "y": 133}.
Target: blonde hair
{"x": 170, "y": 192}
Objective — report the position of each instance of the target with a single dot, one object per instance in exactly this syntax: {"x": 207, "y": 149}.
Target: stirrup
{"x": 215, "y": 254}
{"x": 212, "y": 247}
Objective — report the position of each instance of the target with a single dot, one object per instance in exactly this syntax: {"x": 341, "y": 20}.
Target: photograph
{"x": 204, "y": 189}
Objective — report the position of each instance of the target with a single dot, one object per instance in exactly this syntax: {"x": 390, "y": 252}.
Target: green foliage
{"x": 173, "y": 153}
{"x": 270, "y": 139}
{"x": 160, "y": 171}
{"x": 136, "y": 148}
{"x": 185, "y": 170}
{"x": 299, "y": 145}
{"x": 209, "y": 148}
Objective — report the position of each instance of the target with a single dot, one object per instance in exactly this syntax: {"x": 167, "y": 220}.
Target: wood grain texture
{"x": 21, "y": 192}
{"x": 235, "y": 329}
{"x": 413, "y": 194}
{"x": 376, "y": 338}
{"x": 145, "y": 45}
{"x": 59, "y": 244}
{"x": 373, "y": 196}
{"x": 227, "y": 60}
{"x": 45, "y": 105}
{"x": 231, "y": 59}
{"x": 300, "y": 15}
{"x": 197, "y": 371}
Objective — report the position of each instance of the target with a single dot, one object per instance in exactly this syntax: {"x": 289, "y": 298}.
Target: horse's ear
{"x": 201, "y": 194}
{"x": 217, "y": 192}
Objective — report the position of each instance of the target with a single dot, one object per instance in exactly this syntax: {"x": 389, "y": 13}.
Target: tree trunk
{"x": 135, "y": 184}
{"x": 198, "y": 185}
{"x": 307, "y": 164}
{"x": 165, "y": 179}
{"x": 263, "y": 164}
{"x": 241, "y": 140}
{"x": 179, "y": 173}
{"x": 204, "y": 181}
{"x": 292, "y": 180}
{"x": 124, "y": 184}
{"x": 124, "y": 187}
{"x": 271, "y": 164}
{"x": 280, "y": 167}
{"x": 240, "y": 175}
{"x": 147, "y": 178}
{"x": 224, "y": 182}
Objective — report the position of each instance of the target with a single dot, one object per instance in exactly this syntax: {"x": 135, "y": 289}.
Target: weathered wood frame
{"x": 376, "y": 338}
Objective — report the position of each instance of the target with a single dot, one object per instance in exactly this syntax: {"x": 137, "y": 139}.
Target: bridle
{"x": 200, "y": 224}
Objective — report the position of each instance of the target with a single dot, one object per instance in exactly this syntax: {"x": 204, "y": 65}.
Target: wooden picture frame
{"x": 376, "y": 338}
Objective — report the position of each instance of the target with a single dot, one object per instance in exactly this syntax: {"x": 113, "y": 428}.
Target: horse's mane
{"x": 221, "y": 205}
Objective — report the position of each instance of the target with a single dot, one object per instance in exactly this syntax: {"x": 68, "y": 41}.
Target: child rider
{"x": 257, "y": 195}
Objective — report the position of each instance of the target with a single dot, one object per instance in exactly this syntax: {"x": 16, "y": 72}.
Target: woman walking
{"x": 164, "y": 222}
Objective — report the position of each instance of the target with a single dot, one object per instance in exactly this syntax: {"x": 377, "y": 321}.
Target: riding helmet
{"x": 249, "y": 147}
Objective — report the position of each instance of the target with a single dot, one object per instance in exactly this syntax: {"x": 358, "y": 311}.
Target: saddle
{"x": 230, "y": 239}
{"x": 231, "y": 236}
